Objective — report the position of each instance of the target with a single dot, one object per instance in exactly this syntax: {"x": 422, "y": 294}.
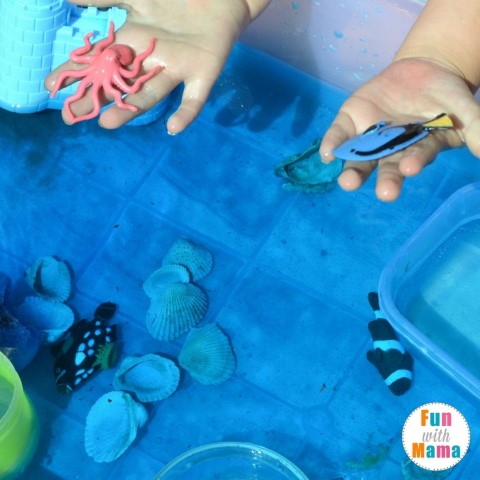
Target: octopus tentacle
{"x": 64, "y": 76}
{"x": 83, "y": 60}
{"x": 137, "y": 63}
{"x": 118, "y": 97}
{"x": 106, "y": 42}
{"x": 86, "y": 47}
{"x": 135, "y": 87}
{"x": 119, "y": 82}
{"x": 82, "y": 88}
{"x": 96, "y": 103}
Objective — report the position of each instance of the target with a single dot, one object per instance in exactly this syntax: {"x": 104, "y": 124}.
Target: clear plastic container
{"x": 18, "y": 423}
{"x": 429, "y": 290}
{"x": 230, "y": 461}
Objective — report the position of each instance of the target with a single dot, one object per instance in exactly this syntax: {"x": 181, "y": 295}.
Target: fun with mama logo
{"x": 436, "y": 436}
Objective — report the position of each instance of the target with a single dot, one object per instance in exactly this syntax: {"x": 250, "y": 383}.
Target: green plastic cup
{"x": 18, "y": 423}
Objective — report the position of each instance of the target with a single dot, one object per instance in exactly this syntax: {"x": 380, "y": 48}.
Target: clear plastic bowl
{"x": 230, "y": 461}
{"x": 429, "y": 290}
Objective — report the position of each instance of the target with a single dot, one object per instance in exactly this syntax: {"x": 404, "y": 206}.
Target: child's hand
{"x": 194, "y": 38}
{"x": 408, "y": 90}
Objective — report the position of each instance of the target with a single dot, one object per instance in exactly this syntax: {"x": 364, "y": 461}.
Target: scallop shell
{"x": 50, "y": 278}
{"x": 150, "y": 378}
{"x": 112, "y": 425}
{"x": 207, "y": 355}
{"x": 198, "y": 260}
{"x": 176, "y": 310}
{"x": 159, "y": 279}
{"x": 51, "y": 318}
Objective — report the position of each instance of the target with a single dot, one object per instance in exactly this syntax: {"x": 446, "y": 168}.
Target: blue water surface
{"x": 289, "y": 284}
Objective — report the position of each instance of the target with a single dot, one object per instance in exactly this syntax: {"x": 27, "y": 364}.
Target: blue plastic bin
{"x": 430, "y": 291}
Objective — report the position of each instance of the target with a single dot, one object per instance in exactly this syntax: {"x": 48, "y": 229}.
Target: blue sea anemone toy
{"x": 17, "y": 341}
{"x": 305, "y": 172}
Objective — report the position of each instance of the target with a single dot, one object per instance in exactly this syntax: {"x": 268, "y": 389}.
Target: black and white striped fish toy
{"x": 393, "y": 362}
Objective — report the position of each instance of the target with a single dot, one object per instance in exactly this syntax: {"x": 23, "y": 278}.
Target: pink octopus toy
{"x": 106, "y": 71}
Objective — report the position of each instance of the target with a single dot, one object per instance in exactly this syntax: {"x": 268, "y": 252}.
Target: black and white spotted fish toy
{"x": 393, "y": 362}
{"x": 87, "y": 347}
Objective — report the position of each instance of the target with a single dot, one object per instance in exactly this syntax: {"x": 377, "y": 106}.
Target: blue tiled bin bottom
{"x": 289, "y": 284}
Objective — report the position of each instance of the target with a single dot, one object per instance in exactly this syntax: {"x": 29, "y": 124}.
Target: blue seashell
{"x": 50, "y": 278}
{"x": 176, "y": 310}
{"x": 151, "y": 377}
{"x": 195, "y": 258}
{"x": 164, "y": 276}
{"x": 53, "y": 319}
{"x": 305, "y": 172}
{"x": 112, "y": 425}
{"x": 207, "y": 355}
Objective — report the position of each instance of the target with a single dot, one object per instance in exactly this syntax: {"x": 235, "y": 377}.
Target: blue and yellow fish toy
{"x": 87, "y": 347}
{"x": 393, "y": 362}
{"x": 382, "y": 139}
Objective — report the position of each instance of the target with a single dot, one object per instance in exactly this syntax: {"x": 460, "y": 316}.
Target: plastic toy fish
{"x": 87, "y": 347}
{"x": 382, "y": 139}
{"x": 388, "y": 355}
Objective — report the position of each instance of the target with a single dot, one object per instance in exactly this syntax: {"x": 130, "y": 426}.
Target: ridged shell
{"x": 207, "y": 355}
{"x": 176, "y": 310}
{"x": 198, "y": 260}
{"x": 159, "y": 279}
{"x": 50, "y": 278}
{"x": 112, "y": 425}
{"x": 151, "y": 377}
{"x": 51, "y": 318}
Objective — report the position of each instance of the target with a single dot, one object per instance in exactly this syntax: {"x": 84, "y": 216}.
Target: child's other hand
{"x": 194, "y": 39}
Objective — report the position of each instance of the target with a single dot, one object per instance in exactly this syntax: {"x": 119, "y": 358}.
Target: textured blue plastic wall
{"x": 35, "y": 37}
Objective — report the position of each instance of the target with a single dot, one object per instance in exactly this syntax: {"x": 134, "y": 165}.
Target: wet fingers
{"x": 194, "y": 98}
{"x": 340, "y": 131}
